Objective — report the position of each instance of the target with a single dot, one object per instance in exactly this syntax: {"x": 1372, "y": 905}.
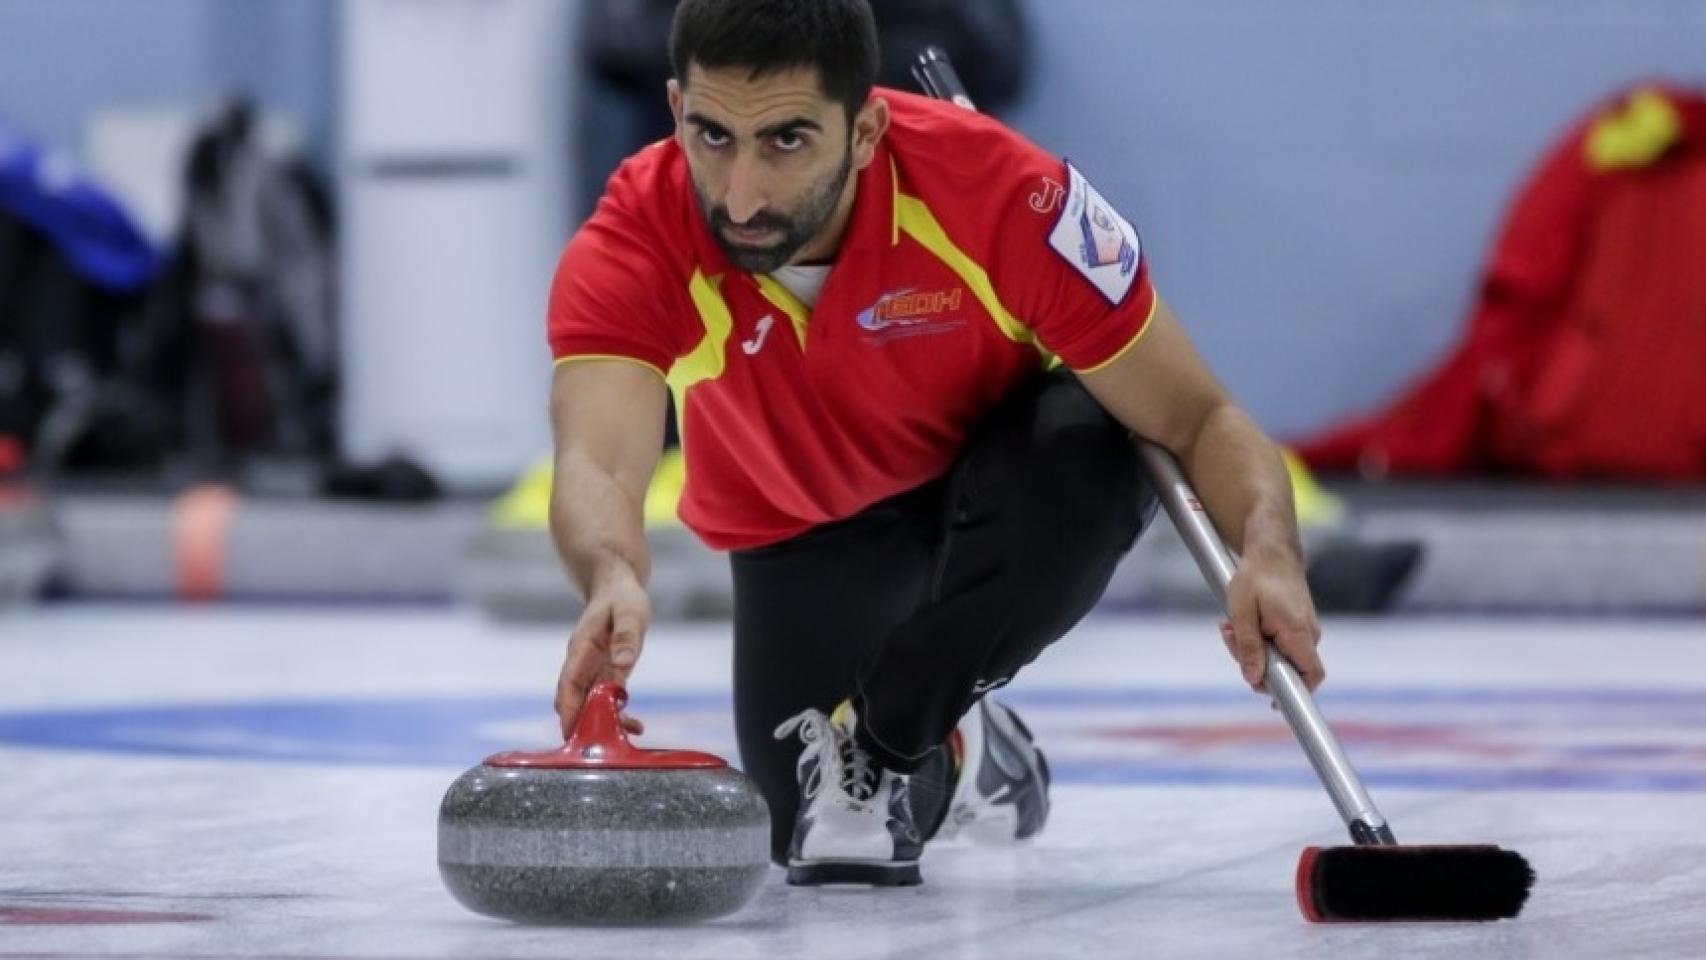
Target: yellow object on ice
{"x": 664, "y": 494}
{"x": 527, "y": 504}
{"x": 1636, "y": 135}
{"x": 1316, "y": 506}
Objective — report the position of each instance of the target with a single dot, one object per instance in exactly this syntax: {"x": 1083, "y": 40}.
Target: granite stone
{"x": 606, "y": 846}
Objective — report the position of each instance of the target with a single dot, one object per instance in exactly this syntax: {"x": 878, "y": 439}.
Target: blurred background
{"x": 273, "y": 273}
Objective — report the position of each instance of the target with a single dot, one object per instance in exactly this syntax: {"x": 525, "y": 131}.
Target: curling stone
{"x": 602, "y": 832}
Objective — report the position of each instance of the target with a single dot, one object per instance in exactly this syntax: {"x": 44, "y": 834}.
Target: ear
{"x": 869, "y": 125}
{"x": 673, "y": 87}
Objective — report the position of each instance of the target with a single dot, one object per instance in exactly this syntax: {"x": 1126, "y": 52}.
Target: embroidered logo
{"x": 750, "y": 347}
{"x": 908, "y": 308}
{"x": 1048, "y": 196}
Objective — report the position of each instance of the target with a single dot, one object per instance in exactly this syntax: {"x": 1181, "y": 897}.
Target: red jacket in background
{"x": 1586, "y": 352}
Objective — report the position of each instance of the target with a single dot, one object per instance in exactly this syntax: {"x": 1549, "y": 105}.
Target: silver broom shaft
{"x": 936, "y": 74}
{"x": 1217, "y": 564}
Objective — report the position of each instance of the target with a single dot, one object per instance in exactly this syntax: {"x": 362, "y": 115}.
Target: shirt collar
{"x": 872, "y": 223}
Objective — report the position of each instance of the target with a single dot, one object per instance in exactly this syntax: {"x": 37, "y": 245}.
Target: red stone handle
{"x": 599, "y": 742}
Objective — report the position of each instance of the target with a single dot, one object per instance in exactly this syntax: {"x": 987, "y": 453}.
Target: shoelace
{"x": 812, "y": 724}
{"x": 858, "y": 778}
{"x": 814, "y": 729}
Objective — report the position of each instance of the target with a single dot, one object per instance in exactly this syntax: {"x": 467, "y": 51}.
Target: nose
{"x": 746, "y": 189}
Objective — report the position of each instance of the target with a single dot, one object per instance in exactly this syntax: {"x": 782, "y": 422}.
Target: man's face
{"x": 770, "y": 158}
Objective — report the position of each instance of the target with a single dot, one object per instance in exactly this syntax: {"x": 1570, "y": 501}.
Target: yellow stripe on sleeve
{"x": 1155, "y": 304}
{"x": 577, "y": 357}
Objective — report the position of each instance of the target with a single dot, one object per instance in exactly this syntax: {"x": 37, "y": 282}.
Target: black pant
{"x": 923, "y": 602}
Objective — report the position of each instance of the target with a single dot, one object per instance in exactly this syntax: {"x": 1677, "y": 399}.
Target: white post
{"x": 455, "y": 177}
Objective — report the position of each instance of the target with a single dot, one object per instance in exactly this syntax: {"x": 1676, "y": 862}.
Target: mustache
{"x": 762, "y": 220}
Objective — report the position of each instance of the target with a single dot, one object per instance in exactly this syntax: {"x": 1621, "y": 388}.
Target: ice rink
{"x": 255, "y": 782}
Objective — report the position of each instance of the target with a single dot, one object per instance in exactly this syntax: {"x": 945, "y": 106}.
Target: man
{"x": 857, "y": 296}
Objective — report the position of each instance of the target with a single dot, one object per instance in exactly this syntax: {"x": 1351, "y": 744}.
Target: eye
{"x": 789, "y": 142}
{"x": 714, "y": 139}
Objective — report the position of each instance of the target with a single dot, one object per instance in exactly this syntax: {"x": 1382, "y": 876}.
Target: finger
{"x": 568, "y": 707}
{"x": 1230, "y": 639}
{"x": 1250, "y": 646}
{"x": 1299, "y": 648}
{"x": 634, "y": 725}
{"x": 1296, "y": 642}
{"x": 626, "y": 638}
{"x": 581, "y": 667}
{"x": 571, "y": 697}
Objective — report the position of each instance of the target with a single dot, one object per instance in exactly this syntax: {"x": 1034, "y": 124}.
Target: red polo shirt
{"x": 972, "y": 259}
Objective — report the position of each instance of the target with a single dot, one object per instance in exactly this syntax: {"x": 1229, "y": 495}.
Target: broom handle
{"x": 936, "y": 75}
{"x": 1366, "y": 824}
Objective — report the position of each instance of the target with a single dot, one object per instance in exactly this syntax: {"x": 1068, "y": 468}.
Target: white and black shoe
{"x": 855, "y": 821}
{"x": 1002, "y": 793}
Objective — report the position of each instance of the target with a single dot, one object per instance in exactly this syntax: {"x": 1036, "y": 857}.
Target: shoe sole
{"x": 816, "y": 873}
{"x": 1009, "y": 835}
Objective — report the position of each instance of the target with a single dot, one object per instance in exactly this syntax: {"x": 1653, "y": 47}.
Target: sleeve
{"x": 615, "y": 292}
{"x": 1071, "y": 267}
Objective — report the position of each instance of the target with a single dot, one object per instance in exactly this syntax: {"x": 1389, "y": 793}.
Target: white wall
{"x": 454, "y": 174}
{"x": 62, "y": 60}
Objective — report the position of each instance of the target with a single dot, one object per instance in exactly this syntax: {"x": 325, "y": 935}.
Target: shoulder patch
{"x": 1095, "y": 240}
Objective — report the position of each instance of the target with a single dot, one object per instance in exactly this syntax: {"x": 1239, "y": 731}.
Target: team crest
{"x": 1098, "y": 242}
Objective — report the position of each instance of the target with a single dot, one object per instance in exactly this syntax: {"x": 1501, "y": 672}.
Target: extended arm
{"x": 1162, "y": 391}
{"x": 607, "y": 423}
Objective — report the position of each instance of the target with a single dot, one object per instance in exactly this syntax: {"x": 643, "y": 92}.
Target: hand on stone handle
{"x": 605, "y": 645}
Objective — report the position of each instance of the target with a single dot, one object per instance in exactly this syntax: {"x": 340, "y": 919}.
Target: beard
{"x": 797, "y": 227}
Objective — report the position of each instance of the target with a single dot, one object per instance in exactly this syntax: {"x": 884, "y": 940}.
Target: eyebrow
{"x": 765, "y": 132}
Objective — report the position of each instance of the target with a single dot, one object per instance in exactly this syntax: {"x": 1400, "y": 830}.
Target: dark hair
{"x": 837, "y": 37}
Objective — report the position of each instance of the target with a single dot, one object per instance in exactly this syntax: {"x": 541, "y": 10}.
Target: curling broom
{"x": 1376, "y": 879}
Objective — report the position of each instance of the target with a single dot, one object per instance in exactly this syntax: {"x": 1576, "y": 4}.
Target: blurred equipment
{"x": 30, "y": 546}
{"x": 1348, "y": 572}
{"x": 512, "y": 571}
{"x": 242, "y": 345}
{"x": 1584, "y": 355}
{"x": 1352, "y": 575}
{"x": 395, "y": 479}
{"x": 600, "y": 832}
{"x": 454, "y": 133}
{"x": 73, "y": 272}
{"x": 210, "y": 543}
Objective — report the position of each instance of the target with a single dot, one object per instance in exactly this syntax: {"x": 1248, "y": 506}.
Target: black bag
{"x": 63, "y": 346}
{"x": 241, "y": 343}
